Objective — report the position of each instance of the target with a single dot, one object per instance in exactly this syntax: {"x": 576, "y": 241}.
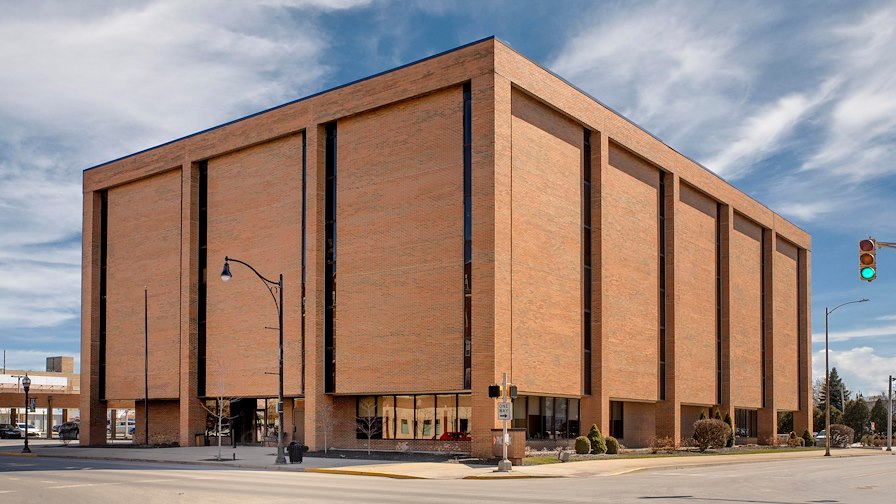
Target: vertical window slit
{"x": 330, "y": 258}
{"x": 586, "y": 262}
{"x": 468, "y": 237}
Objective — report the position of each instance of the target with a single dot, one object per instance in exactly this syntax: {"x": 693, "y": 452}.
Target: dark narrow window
{"x": 586, "y": 261}
{"x": 662, "y": 284}
{"x": 762, "y": 323}
{"x": 801, "y": 377}
{"x": 304, "y": 257}
{"x": 104, "y": 230}
{"x": 330, "y": 265}
{"x": 718, "y": 303}
{"x": 617, "y": 419}
{"x": 468, "y": 237}
{"x": 202, "y": 284}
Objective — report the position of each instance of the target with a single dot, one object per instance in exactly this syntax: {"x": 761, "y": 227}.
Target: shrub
{"x": 703, "y": 415}
{"x": 730, "y": 425}
{"x": 808, "y": 439}
{"x": 794, "y": 441}
{"x": 717, "y": 415}
{"x": 711, "y": 433}
{"x": 598, "y": 445}
{"x": 583, "y": 445}
{"x": 612, "y": 445}
{"x": 658, "y": 444}
{"x": 841, "y": 436}
{"x": 869, "y": 440}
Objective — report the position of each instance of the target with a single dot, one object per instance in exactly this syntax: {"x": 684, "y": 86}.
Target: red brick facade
{"x": 398, "y": 323}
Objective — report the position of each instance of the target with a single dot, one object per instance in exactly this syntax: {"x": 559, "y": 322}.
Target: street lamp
{"x": 26, "y": 384}
{"x": 890, "y": 415}
{"x": 270, "y": 285}
{"x": 827, "y": 380}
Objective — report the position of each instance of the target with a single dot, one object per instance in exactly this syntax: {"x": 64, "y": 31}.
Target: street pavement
{"x": 263, "y": 458}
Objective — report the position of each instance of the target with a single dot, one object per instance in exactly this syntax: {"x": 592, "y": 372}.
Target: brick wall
{"x": 547, "y": 250}
{"x": 785, "y": 327}
{"x": 630, "y": 271}
{"x": 144, "y": 251}
{"x": 399, "y": 247}
{"x": 254, "y": 214}
{"x": 746, "y": 314}
{"x": 695, "y": 303}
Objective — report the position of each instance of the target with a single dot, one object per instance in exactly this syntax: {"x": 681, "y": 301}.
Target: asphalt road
{"x": 862, "y": 480}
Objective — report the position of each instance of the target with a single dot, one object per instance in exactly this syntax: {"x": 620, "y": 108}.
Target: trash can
{"x": 295, "y": 450}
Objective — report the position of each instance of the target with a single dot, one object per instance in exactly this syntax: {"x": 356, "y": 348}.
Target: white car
{"x": 32, "y": 430}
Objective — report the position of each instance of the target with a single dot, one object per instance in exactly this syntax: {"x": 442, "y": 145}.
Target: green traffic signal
{"x": 868, "y": 273}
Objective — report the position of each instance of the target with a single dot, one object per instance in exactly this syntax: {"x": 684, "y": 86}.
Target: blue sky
{"x": 792, "y": 102}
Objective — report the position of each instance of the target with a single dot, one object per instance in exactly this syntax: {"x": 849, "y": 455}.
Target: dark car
{"x": 9, "y": 431}
{"x": 69, "y": 431}
{"x": 455, "y": 436}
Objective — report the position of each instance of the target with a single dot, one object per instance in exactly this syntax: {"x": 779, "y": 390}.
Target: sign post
{"x": 504, "y": 414}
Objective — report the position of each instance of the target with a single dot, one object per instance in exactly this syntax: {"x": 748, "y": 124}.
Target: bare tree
{"x": 325, "y": 418}
{"x": 220, "y": 415}
{"x": 368, "y": 423}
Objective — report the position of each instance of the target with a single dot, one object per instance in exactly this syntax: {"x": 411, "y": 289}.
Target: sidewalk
{"x": 255, "y": 457}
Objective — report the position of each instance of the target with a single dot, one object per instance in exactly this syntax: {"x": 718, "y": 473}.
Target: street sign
{"x": 505, "y": 410}
{"x": 33, "y": 404}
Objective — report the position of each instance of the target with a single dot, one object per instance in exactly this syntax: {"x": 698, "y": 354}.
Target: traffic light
{"x": 868, "y": 259}
{"x": 494, "y": 391}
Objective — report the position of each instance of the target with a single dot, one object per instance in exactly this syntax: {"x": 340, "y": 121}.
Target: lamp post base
{"x": 26, "y": 449}
{"x": 505, "y": 466}
{"x": 281, "y": 458}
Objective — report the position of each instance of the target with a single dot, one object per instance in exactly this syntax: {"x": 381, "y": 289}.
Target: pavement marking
{"x": 81, "y": 485}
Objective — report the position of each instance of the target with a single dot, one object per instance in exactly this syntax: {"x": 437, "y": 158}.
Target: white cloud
{"x": 860, "y": 124}
{"x": 88, "y": 82}
{"x": 676, "y": 69}
{"x": 861, "y": 369}
{"x": 866, "y": 332}
{"x": 762, "y": 133}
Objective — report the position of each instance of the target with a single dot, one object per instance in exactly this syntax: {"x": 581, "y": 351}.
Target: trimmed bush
{"x": 794, "y": 442}
{"x": 808, "y": 439}
{"x": 583, "y": 445}
{"x": 730, "y": 424}
{"x": 598, "y": 445}
{"x": 717, "y": 415}
{"x": 869, "y": 440}
{"x": 711, "y": 434}
{"x": 658, "y": 444}
{"x": 841, "y": 436}
{"x": 703, "y": 415}
{"x": 612, "y": 445}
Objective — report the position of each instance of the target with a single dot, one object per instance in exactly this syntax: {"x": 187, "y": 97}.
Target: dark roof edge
{"x": 633, "y": 123}
{"x": 492, "y": 37}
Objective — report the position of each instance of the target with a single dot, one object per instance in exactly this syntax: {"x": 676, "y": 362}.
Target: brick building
{"x": 484, "y": 217}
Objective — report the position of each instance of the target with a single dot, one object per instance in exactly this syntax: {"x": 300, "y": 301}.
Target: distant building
{"x": 484, "y": 217}
{"x": 56, "y": 390}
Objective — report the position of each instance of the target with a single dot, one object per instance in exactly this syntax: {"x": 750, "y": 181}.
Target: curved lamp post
{"x": 827, "y": 380}
{"x": 26, "y": 384}
{"x": 271, "y": 286}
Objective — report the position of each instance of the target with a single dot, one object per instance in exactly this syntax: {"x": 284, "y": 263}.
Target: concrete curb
{"x": 327, "y": 470}
{"x": 513, "y": 476}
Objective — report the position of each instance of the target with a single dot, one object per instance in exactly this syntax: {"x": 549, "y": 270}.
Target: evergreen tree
{"x": 879, "y": 417}
{"x": 728, "y": 421}
{"x": 839, "y": 392}
{"x": 856, "y": 416}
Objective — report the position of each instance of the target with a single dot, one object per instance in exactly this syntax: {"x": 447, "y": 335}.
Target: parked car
{"x": 32, "y": 430}
{"x": 455, "y": 436}
{"x": 9, "y": 431}
{"x": 819, "y": 438}
{"x": 69, "y": 431}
